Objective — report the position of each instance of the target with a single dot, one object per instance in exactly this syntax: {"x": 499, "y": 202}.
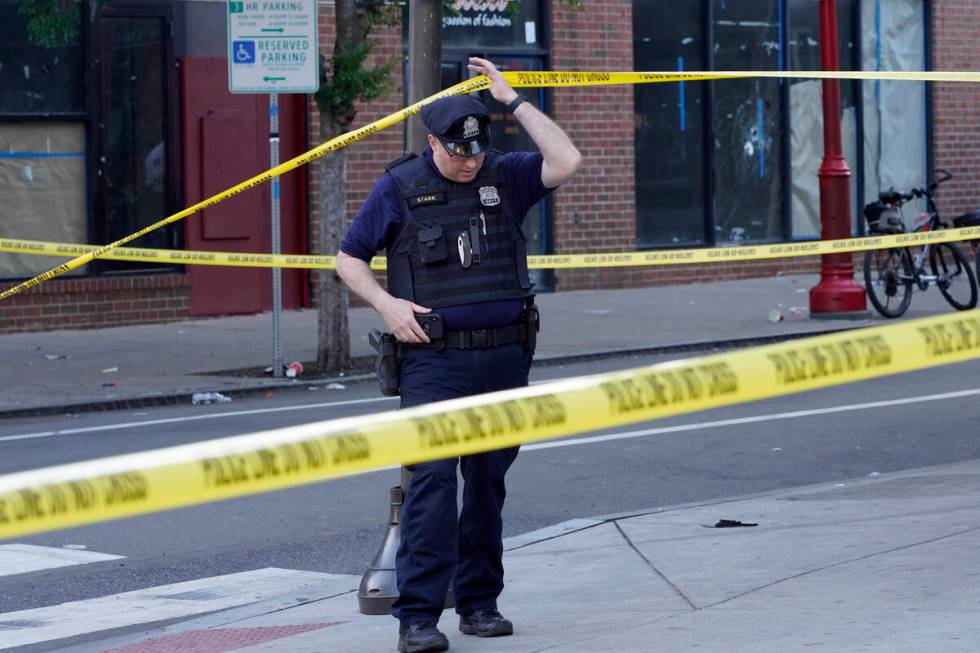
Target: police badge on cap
{"x": 471, "y": 127}
{"x": 461, "y": 123}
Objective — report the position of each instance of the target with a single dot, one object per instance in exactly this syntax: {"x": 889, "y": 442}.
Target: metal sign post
{"x": 272, "y": 48}
{"x": 277, "y": 366}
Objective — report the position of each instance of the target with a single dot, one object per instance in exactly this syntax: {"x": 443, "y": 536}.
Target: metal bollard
{"x": 379, "y": 584}
{"x": 379, "y": 588}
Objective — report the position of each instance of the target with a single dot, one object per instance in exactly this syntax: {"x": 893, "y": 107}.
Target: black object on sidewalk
{"x": 730, "y": 523}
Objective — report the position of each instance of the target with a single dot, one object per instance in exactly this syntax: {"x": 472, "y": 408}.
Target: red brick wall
{"x": 956, "y": 106}
{"x": 596, "y": 211}
{"x": 96, "y": 302}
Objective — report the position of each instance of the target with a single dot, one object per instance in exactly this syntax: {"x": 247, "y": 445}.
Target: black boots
{"x": 426, "y": 638}
{"x": 485, "y": 623}
{"x": 422, "y": 638}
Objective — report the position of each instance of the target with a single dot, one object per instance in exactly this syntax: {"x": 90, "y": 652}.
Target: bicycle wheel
{"x": 888, "y": 279}
{"x": 956, "y": 280}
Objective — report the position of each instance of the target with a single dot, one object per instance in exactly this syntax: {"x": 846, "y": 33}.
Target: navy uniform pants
{"x": 435, "y": 544}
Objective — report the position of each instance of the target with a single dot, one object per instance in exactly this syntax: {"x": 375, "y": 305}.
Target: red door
{"x": 226, "y": 141}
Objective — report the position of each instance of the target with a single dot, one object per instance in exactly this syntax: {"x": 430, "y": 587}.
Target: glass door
{"x": 134, "y": 159}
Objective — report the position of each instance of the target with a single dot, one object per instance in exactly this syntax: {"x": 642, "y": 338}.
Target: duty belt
{"x": 479, "y": 339}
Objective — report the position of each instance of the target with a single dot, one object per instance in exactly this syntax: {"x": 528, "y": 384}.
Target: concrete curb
{"x": 184, "y": 396}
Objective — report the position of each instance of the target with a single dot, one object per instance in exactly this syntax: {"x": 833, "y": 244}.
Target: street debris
{"x": 199, "y": 398}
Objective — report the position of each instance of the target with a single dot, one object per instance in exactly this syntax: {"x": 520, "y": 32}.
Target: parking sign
{"x": 272, "y": 46}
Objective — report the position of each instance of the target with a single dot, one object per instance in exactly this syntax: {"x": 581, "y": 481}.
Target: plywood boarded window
{"x": 42, "y": 190}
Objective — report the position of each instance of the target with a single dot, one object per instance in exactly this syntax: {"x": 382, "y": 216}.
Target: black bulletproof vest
{"x": 459, "y": 243}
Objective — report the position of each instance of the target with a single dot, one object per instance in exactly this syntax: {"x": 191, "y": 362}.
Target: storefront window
{"x": 766, "y": 189}
{"x": 748, "y": 135}
{"x": 670, "y": 189}
{"x": 33, "y": 78}
{"x": 495, "y": 24}
{"x": 893, "y": 38}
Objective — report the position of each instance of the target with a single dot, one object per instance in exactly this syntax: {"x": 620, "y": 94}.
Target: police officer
{"x": 457, "y": 270}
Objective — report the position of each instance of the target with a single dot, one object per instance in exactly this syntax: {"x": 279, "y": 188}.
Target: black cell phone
{"x": 431, "y": 323}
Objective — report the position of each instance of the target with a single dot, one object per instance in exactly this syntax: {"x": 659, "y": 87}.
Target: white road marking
{"x": 24, "y": 558}
{"x": 569, "y": 442}
{"x": 191, "y": 418}
{"x": 164, "y": 602}
{"x": 186, "y": 418}
{"x": 735, "y": 421}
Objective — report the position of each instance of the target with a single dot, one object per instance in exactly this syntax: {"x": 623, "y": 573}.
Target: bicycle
{"x": 889, "y": 274}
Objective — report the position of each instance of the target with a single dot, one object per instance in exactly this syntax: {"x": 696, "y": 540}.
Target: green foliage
{"x": 344, "y": 79}
{"x": 51, "y": 23}
{"x": 350, "y": 82}
{"x": 385, "y": 14}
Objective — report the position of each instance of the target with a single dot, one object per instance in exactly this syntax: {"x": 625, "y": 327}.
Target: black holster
{"x": 532, "y": 324}
{"x": 387, "y": 362}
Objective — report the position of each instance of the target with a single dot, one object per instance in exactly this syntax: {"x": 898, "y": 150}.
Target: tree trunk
{"x": 333, "y": 331}
{"x": 424, "y": 63}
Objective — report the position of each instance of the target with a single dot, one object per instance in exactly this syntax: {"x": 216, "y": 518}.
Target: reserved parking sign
{"x": 272, "y": 46}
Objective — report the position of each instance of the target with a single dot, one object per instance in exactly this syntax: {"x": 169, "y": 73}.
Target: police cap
{"x": 460, "y": 122}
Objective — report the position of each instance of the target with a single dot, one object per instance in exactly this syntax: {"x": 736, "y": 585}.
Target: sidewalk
{"x": 65, "y": 371}
{"x": 887, "y": 563}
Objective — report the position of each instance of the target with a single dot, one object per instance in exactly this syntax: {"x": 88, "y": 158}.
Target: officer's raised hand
{"x": 499, "y": 88}
{"x": 399, "y": 315}
{"x": 561, "y": 158}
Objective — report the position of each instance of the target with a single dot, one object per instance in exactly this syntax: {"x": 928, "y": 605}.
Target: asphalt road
{"x": 839, "y": 433}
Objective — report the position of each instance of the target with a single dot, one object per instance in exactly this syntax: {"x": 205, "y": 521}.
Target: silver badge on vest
{"x": 489, "y": 196}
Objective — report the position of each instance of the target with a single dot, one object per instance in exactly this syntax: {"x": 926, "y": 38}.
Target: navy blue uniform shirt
{"x": 377, "y": 223}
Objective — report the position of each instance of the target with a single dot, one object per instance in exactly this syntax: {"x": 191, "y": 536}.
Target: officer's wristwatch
{"x": 516, "y": 102}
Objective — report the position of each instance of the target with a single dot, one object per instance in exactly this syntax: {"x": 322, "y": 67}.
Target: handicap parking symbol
{"x": 243, "y": 51}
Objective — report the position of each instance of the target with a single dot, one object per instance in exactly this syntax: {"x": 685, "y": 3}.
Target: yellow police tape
{"x": 110, "y": 488}
{"x": 516, "y": 79}
{"x": 539, "y": 262}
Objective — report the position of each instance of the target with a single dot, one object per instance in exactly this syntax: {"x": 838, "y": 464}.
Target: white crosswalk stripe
{"x": 25, "y": 558}
{"x": 175, "y": 601}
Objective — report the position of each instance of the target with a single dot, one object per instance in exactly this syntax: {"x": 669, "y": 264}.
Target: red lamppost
{"x": 837, "y": 295}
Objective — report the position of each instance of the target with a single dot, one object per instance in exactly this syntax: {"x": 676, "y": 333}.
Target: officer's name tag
{"x": 428, "y": 198}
